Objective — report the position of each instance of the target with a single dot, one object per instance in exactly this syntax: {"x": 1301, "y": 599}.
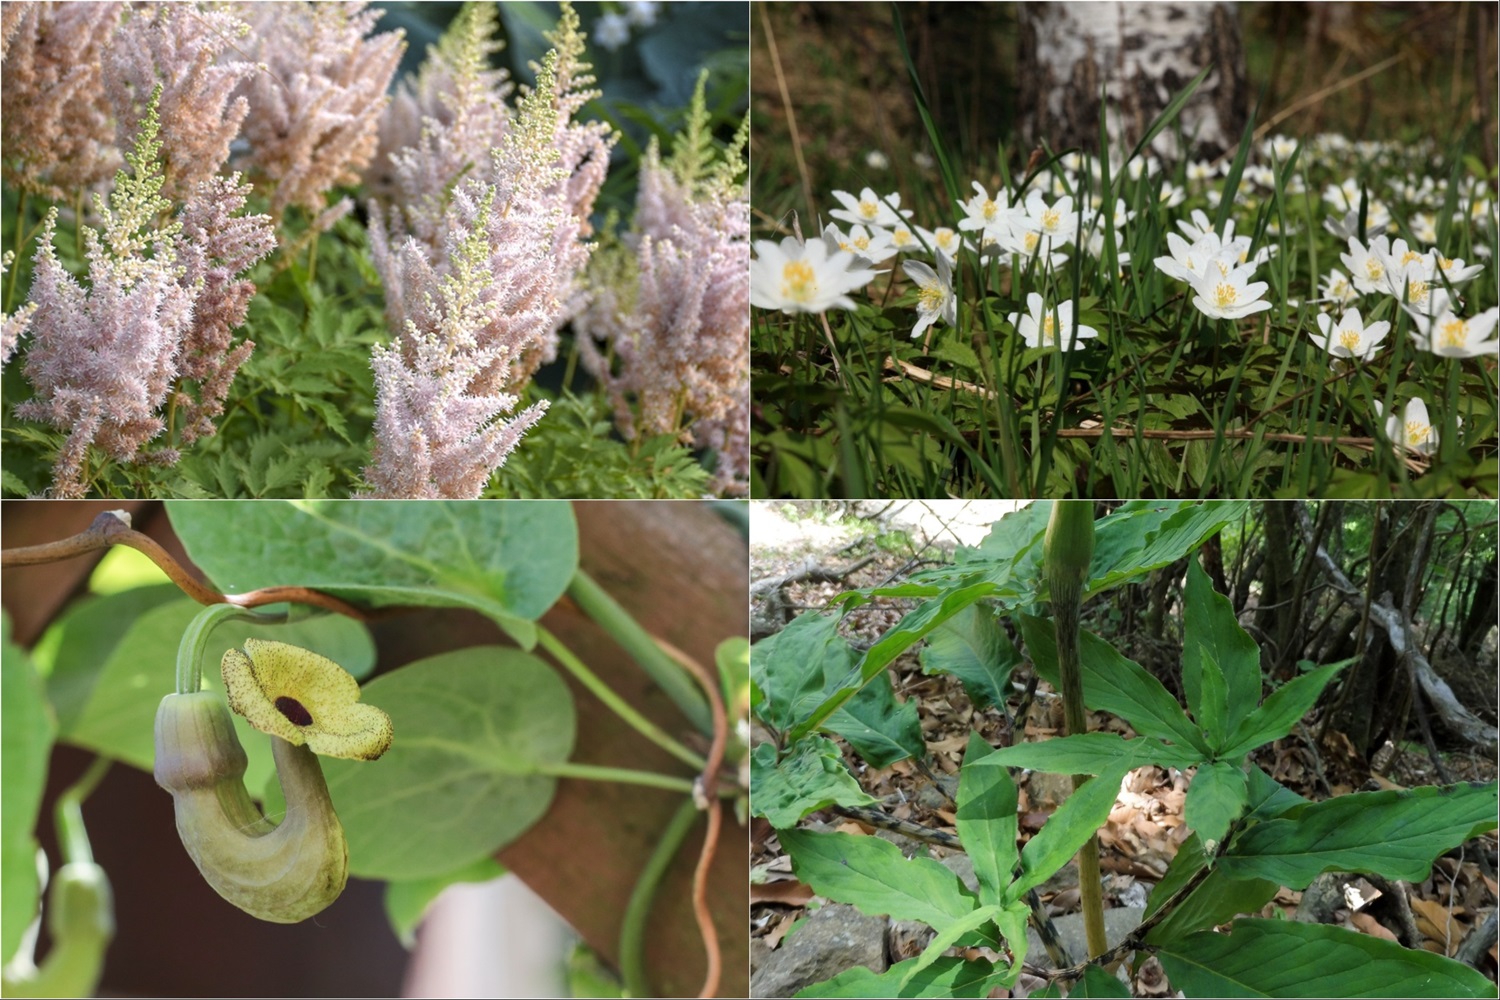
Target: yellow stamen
{"x": 869, "y": 209}
{"x": 1416, "y": 433}
{"x": 1349, "y": 340}
{"x": 798, "y": 282}
{"x": 989, "y": 210}
{"x": 1373, "y": 268}
{"x": 1454, "y": 333}
{"x": 1049, "y": 330}
{"x": 1225, "y": 295}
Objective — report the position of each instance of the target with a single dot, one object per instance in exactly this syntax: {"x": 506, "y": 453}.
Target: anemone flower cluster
{"x": 1217, "y": 268}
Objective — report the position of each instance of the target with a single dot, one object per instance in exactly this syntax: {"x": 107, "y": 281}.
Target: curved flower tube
{"x": 282, "y": 872}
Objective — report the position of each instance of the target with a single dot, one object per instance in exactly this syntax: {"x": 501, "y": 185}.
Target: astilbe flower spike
{"x": 179, "y": 47}
{"x": 217, "y": 248}
{"x": 12, "y": 325}
{"x": 55, "y": 124}
{"x": 315, "y": 109}
{"x": 437, "y": 424}
{"x": 103, "y": 359}
{"x": 679, "y": 320}
{"x": 441, "y": 126}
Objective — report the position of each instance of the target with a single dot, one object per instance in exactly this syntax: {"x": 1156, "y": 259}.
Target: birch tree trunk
{"x": 1141, "y": 54}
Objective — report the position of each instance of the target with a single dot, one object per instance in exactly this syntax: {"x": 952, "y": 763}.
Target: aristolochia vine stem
{"x": 195, "y": 640}
{"x": 1069, "y": 549}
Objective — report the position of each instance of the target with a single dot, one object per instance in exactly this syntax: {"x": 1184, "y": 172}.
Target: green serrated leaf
{"x": 873, "y": 875}
{"x": 974, "y": 648}
{"x": 1287, "y": 958}
{"x": 1074, "y": 822}
{"x": 1212, "y": 635}
{"x": 812, "y": 776}
{"x": 1390, "y": 833}
{"x": 1215, "y": 799}
{"x": 987, "y": 822}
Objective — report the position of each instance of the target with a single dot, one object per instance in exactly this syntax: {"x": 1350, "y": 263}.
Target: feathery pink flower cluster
{"x": 56, "y": 130}
{"x": 178, "y": 48}
{"x": 314, "y": 112}
{"x": 480, "y": 257}
{"x": 680, "y": 325}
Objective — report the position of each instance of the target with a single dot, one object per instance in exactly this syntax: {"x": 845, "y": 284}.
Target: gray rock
{"x": 834, "y": 938}
{"x": 1118, "y": 922}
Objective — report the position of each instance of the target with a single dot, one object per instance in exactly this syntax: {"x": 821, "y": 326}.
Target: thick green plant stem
{"x": 1069, "y": 549}
{"x": 633, "y": 925}
{"x": 625, "y": 630}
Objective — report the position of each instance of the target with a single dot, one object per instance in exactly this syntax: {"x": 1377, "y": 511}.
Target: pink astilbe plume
{"x": 178, "y": 46}
{"x": 217, "y": 247}
{"x": 102, "y": 359}
{"x": 12, "y": 325}
{"x": 315, "y": 110}
{"x": 441, "y": 126}
{"x": 55, "y": 124}
{"x": 679, "y": 320}
{"x": 438, "y": 425}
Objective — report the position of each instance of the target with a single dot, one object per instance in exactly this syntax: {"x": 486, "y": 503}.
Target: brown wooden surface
{"x": 676, "y": 566}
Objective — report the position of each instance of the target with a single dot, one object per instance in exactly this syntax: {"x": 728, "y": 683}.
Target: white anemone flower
{"x": 870, "y": 245}
{"x": 804, "y": 277}
{"x": 1410, "y": 428}
{"x": 869, "y": 209}
{"x": 935, "y": 298}
{"x": 1044, "y": 327}
{"x": 1349, "y": 337}
{"x": 1230, "y": 294}
{"x": 1451, "y": 336}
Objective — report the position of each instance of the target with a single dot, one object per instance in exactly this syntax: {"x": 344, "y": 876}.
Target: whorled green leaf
{"x": 1092, "y": 753}
{"x": 406, "y": 902}
{"x": 510, "y": 561}
{"x": 1065, "y": 831}
{"x": 786, "y": 669}
{"x": 1096, "y": 982}
{"x": 1280, "y": 712}
{"x": 946, "y": 977}
{"x": 910, "y": 630}
{"x": 1288, "y": 958}
{"x": 1392, "y": 833}
{"x": 1218, "y": 897}
{"x": 26, "y": 733}
{"x": 1112, "y": 683}
{"x": 476, "y": 731}
{"x": 811, "y": 776}
{"x": 987, "y": 820}
{"x": 1144, "y": 535}
{"x": 1214, "y": 642}
{"x": 949, "y": 935}
{"x": 881, "y": 729}
{"x": 871, "y": 874}
{"x": 118, "y": 719}
{"x": 974, "y": 648}
{"x": 1215, "y": 799}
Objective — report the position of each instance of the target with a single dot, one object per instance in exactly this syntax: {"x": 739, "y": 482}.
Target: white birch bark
{"x": 1141, "y": 54}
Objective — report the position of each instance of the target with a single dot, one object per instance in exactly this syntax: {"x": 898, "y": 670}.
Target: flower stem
{"x": 626, "y": 776}
{"x": 633, "y": 926}
{"x": 614, "y": 702}
{"x": 71, "y": 835}
{"x": 625, "y": 630}
{"x": 195, "y": 640}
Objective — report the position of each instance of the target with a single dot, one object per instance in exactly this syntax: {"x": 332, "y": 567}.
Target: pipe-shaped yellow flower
{"x": 282, "y": 872}
{"x": 303, "y": 698}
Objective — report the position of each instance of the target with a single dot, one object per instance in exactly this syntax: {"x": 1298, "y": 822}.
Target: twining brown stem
{"x": 707, "y": 794}
{"x": 113, "y": 528}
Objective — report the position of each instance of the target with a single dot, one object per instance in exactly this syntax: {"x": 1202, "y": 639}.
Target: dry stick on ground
{"x": 1459, "y": 720}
